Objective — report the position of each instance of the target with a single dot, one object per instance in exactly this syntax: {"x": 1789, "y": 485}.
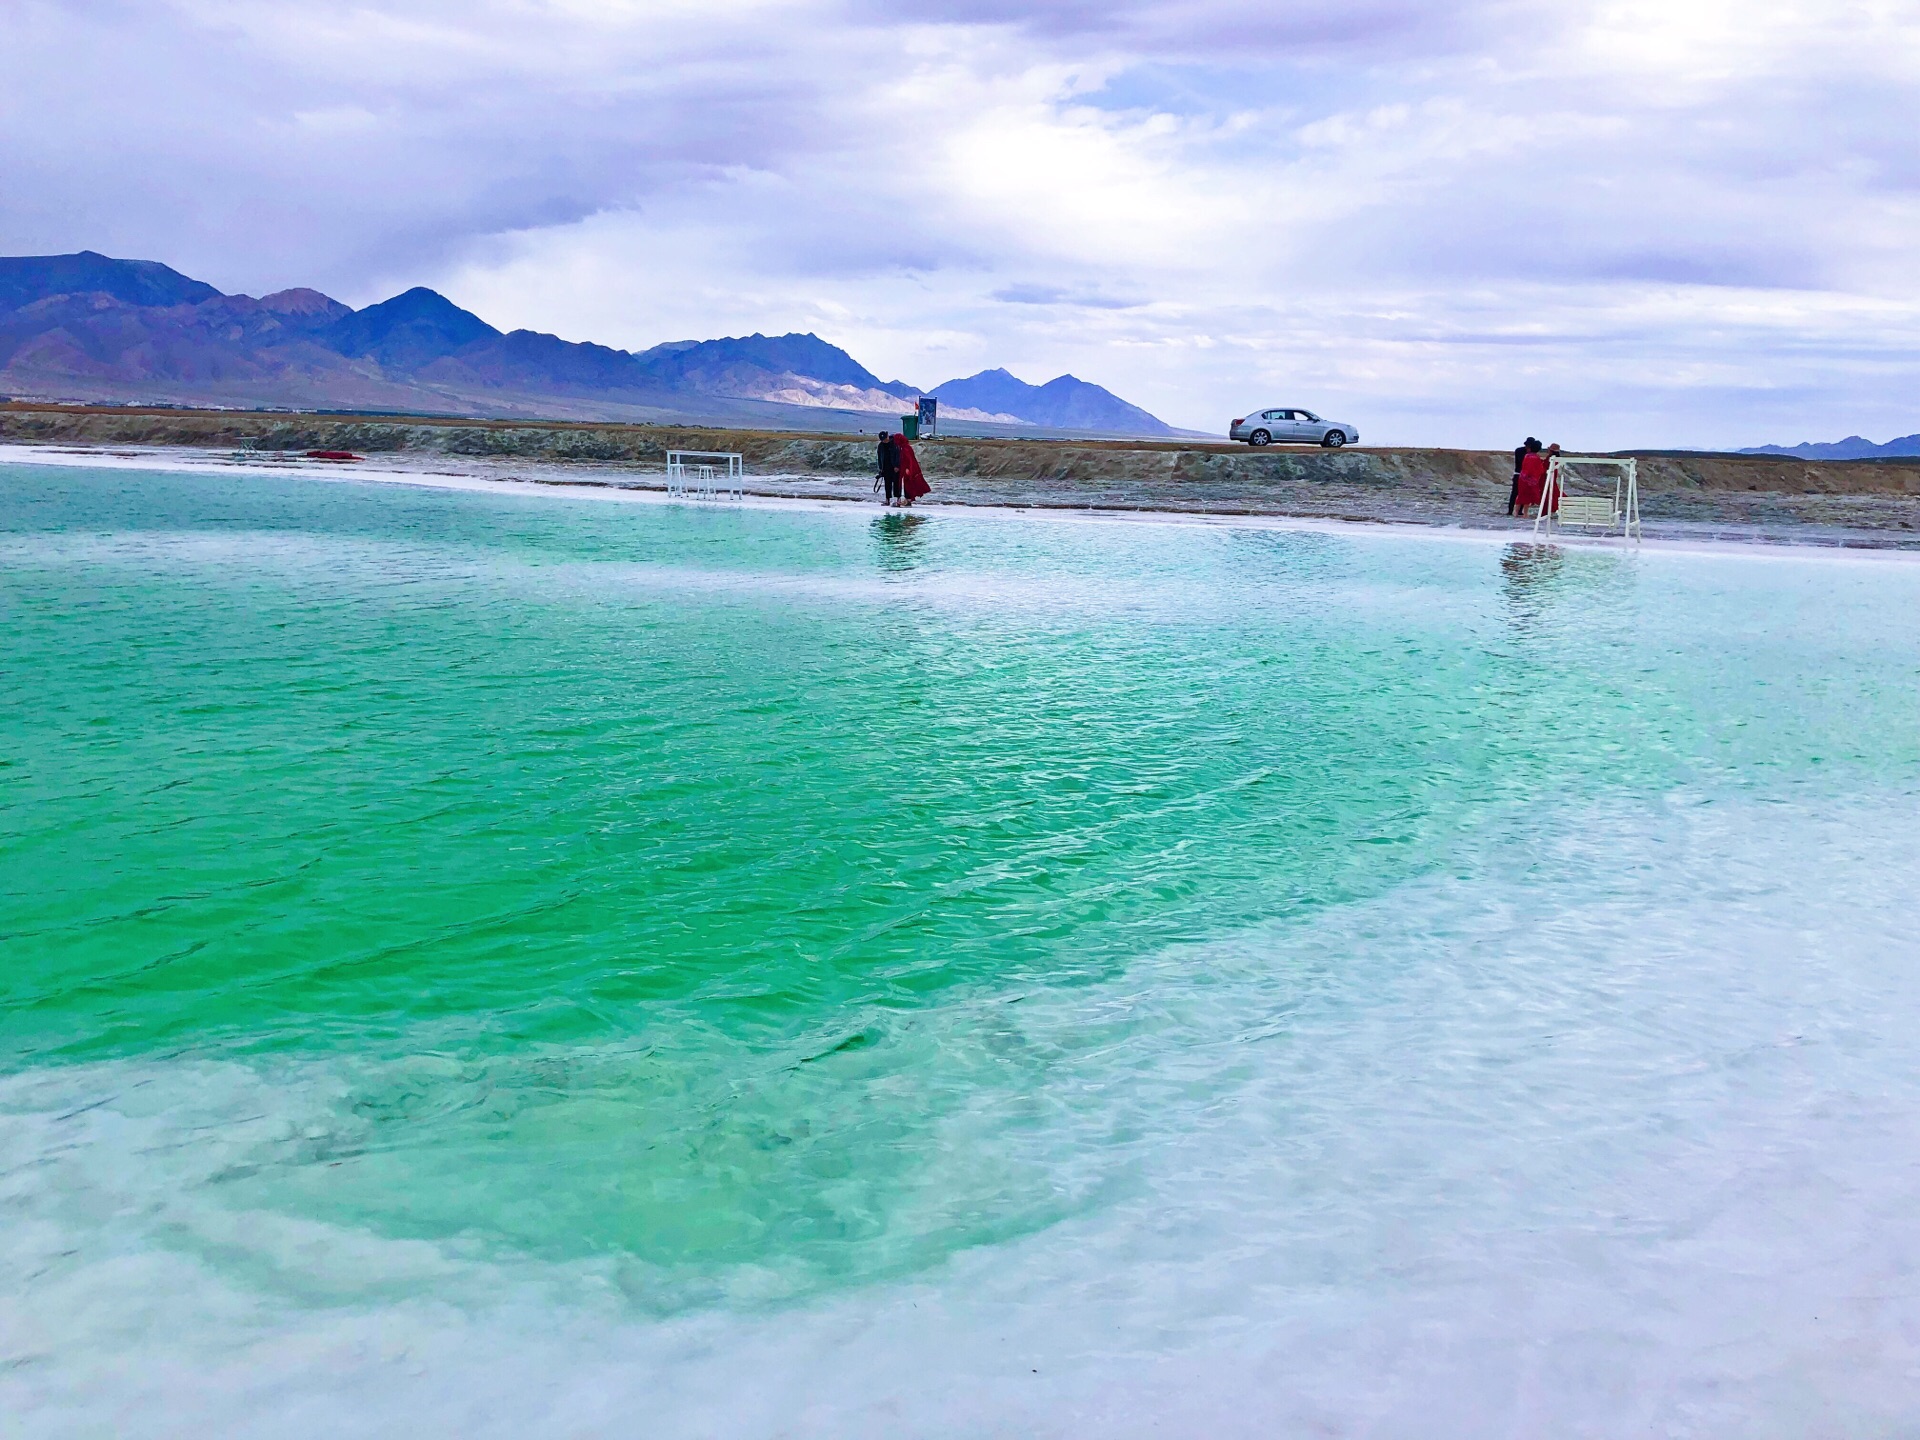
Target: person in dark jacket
{"x": 889, "y": 477}
{"x": 1519, "y": 456}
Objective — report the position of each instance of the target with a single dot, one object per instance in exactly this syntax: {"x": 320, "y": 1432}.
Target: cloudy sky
{"x": 1611, "y": 222}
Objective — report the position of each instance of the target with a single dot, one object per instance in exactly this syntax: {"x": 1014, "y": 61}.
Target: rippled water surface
{"x": 516, "y": 964}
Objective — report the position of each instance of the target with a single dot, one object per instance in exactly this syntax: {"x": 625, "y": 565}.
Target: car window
{"x": 1308, "y": 415}
{"x": 1274, "y": 415}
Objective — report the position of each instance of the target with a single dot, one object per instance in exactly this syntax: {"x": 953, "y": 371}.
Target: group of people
{"x": 1530, "y": 476}
{"x": 902, "y": 483}
{"x": 899, "y": 471}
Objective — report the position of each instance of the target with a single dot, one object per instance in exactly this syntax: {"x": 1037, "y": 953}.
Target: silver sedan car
{"x": 1293, "y": 427}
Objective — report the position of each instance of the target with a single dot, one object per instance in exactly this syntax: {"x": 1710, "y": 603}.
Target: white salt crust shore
{"x": 549, "y": 481}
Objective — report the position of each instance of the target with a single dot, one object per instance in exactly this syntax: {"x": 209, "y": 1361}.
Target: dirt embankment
{"x": 558, "y": 441}
{"x": 1745, "y": 493}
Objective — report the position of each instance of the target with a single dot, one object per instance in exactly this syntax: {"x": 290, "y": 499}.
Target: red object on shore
{"x": 1533, "y": 480}
{"x": 331, "y": 455}
{"x": 912, "y": 483}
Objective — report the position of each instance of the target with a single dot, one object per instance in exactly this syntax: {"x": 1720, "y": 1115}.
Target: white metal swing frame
{"x": 690, "y": 473}
{"x": 1558, "y": 509}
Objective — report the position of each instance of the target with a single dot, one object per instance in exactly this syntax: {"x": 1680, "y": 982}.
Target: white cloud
{"x": 1643, "y": 221}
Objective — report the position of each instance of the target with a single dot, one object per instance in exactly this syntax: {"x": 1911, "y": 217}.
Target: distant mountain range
{"x": 91, "y": 328}
{"x": 1851, "y": 448}
{"x": 1068, "y": 404}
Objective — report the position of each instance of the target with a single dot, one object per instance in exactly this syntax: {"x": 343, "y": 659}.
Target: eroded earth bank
{"x": 1872, "y": 503}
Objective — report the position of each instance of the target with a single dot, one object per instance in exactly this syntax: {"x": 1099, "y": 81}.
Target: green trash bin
{"x": 910, "y": 426}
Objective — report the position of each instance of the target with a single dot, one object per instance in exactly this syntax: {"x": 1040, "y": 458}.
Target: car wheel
{"x": 1334, "y": 439}
{"x": 1259, "y": 437}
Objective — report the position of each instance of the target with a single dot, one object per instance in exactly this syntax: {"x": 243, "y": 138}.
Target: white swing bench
{"x": 1618, "y": 508}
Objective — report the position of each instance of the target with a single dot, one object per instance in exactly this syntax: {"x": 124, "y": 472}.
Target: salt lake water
{"x": 496, "y": 966}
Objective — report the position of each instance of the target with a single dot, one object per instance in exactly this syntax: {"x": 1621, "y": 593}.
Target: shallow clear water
{"x": 520, "y": 964}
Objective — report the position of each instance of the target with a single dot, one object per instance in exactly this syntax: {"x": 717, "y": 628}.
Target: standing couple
{"x": 900, "y": 471}
{"x": 1529, "y": 476}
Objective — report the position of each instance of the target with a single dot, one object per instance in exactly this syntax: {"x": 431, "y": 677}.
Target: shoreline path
{"x": 1688, "y": 498}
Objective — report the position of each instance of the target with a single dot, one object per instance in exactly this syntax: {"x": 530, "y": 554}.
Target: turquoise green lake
{"x": 731, "y": 917}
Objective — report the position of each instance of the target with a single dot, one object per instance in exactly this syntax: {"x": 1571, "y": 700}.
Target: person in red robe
{"x": 1533, "y": 477}
{"x": 913, "y": 484}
